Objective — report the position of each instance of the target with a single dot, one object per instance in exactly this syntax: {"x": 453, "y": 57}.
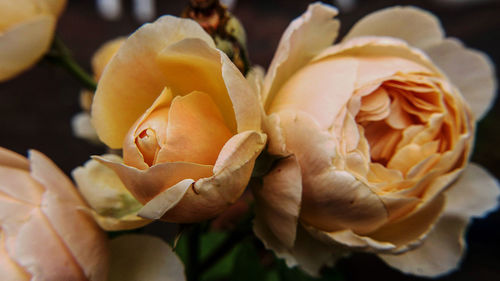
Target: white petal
{"x": 142, "y": 257}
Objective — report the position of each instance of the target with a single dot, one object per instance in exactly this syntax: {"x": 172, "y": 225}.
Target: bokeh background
{"x": 37, "y": 106}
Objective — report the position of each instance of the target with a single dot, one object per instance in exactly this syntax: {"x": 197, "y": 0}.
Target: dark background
{"x": 36, "y": 107}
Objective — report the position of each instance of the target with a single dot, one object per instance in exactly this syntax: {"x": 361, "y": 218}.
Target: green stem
{"x": 60, "y": 55}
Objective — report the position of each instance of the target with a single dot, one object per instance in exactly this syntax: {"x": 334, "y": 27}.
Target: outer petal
{"x": 143, "y": 257}
{"x": 22, "y": 45}
{"x": 187, "y": 192}
{"x": 474, "y": 194}
{"x": 211, "y": 195}
{"x": 417, "y": 27}
{"x": 117, "y": 105}
{"x": 303, "y": 39}
{"x": 278, "y": 201}
{"x": 62, "y": 207}
{"x": 114, "y": 208}
{"x": 104, "y": 54}
{"x": 469, "y": 70}
{"x": 440, "y": 253}
{"x": 11, "y": 159}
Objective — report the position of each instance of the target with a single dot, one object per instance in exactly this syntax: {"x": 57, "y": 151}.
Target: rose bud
{"x": 186, "y": 118}
{"x": 26, "y": 31}
{"x": 378, "y": 130}
{"x": 45, "y": 231}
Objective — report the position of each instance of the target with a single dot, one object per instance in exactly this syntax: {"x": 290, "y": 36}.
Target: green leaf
{"x": 247, "y": 266}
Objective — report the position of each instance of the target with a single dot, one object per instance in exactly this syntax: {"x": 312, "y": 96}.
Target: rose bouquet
{"x": 203, "y": 166}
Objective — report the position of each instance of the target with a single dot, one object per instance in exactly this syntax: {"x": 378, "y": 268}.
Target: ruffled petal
{"x": 416, "y": 26}
{"x": 305, "y": 37}
{"x": 143, "y": 257}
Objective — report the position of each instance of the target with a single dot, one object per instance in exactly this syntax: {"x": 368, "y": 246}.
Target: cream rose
{"x": 378, "y": 130}
{"x": 187, "y": 120}
{"x": 26, "y": 31}
{"x": 45, "y": 233}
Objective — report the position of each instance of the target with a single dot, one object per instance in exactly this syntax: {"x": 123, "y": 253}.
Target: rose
{"x": 187, "y": 120}
{"x": 45, "y": 233}
{"x": 26, "y": 31}
{"x": 377, "y": 132}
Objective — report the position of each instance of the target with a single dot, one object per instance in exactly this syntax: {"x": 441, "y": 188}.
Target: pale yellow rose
{"x": 378, "y": 132}
{"x": 26, "y": 31}
{"x": 45, "y": 232}
{"x": 186, "y": 118}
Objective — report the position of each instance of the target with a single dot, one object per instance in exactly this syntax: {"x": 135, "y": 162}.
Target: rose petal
{"x": 142, "y": 257}
{"x": 440, "y": 253}
{"x": 117, "y": 106}
{"x": 22, "y": 45}
{"x": 302, "y": 40}
{"x": 196, "y": 131}
{"x": 9, "y": 269}
{"x": 469, "y": 70}
{"x": 474, "y": 194}
{"x": 319, "y": 89}
{"x": 231, "y": 173}
{"x": 146, "y": 184}
{"x": 11, "y": 159}
{"x": 416, "y": 26}
{"x": 104, "y": 54}
{"x": 278, "y": 200}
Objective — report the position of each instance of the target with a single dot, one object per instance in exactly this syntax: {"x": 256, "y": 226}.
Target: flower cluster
{"x": 370, "y": 136}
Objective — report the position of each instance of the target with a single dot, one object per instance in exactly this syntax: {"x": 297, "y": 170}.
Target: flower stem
{"x": 59, "y": 54}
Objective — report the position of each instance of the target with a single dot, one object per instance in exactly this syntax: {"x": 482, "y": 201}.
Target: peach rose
{"x": 26, "y": 31}
{"x": 45, "y": 233}
{"x": 378, "y": 130}
{"x": 187, "y": 120}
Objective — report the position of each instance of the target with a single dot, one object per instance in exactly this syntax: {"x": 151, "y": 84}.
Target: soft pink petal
{"x": 11, "y": 159}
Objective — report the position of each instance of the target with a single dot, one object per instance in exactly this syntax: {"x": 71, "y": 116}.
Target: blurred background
{"x": 37, "y": 106}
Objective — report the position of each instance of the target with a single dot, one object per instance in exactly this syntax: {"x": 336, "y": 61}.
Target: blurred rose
{"x": 26, "y": 31}
{"x": 187, "y": 120}
{"x": 45, "y": 233}
{"x": 378, "y": 129}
